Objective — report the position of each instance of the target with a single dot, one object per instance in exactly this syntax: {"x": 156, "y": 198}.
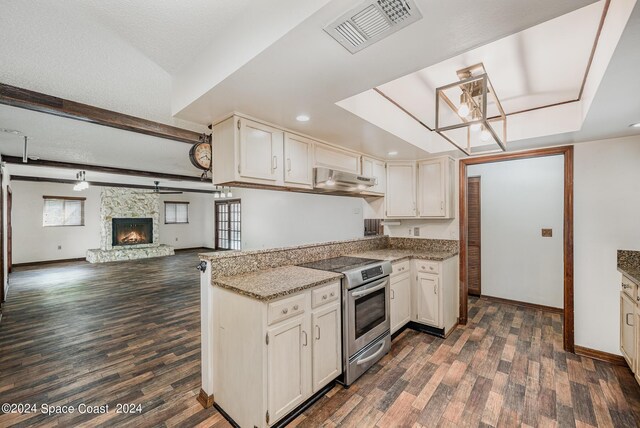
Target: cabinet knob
{"x": 324, "y": 297}
{"x": 285, "y": 310}
{"x": 332, "y": 294}
{"x": 430, "y": 267}
{"x": 295, "y": 307}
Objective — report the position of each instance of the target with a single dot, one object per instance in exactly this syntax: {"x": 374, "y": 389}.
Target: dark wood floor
{"x": 129, "y": 333}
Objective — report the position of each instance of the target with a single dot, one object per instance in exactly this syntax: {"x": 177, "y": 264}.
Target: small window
{"x": 63, "y": 211}
{"x": 228, "y": 225}
{"x": 176, "y": 212}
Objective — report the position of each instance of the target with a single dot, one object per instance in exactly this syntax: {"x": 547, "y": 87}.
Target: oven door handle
{"x": 374, "y": 356}
{"x": 362, "y": 293}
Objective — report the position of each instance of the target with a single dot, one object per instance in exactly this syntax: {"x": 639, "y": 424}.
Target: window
{"x": 63, "y": 211}
{"x": 228, "y": 225}
{"x": 176, "y": 212}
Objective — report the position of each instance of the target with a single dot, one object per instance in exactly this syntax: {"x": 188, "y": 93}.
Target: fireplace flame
{"x": 132, "y": 237}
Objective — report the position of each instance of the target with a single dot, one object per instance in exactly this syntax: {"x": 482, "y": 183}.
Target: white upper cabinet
{"x": 331, "y": 157}
{"x": 376, "y": 169}
{"x": 436, "y": 188}
{"x": 401, "y": 189}
{"x": 298, "y": 160}
{"x": 260, "y": 151}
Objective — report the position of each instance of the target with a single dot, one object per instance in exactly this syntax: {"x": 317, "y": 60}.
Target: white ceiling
{"x": 307, "y": 71}
{"x": 169, "y": 32}
{"x": 101, "y": 177}
{"x": 61, "y": 139}
{"x": 304, "y": 71}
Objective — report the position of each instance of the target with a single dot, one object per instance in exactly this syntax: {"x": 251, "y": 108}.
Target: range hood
{"x": 333, "y": 179}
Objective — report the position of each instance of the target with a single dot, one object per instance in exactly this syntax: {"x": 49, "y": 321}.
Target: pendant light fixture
{"x": 476, "y": 123}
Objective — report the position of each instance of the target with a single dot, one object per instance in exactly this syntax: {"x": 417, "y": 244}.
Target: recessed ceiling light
{"x": 302, "y": 118}
{"x": 392, "y": 153}
{"x": 635, "y": 125}
{"x": 10, "y": 131}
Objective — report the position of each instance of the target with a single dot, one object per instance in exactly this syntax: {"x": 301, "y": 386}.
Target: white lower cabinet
{"x": 288, "y": 364}
{"x": 400, "y": 300}
{"x": 425, "y": 292}
{"x": 427, "y": 299}
{"x": 327, "y": 345}
{"x": 272, "y": 356}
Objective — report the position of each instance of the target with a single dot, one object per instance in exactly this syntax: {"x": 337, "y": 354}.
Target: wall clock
{"x": 200, "y": 155}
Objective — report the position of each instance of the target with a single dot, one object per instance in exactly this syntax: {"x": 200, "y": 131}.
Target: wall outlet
{"x": 59, "y": 247}
{"x": 410, "y": 231}
{"x": 416, "y": 231}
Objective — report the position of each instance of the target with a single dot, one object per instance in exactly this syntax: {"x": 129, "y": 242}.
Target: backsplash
{"x": 424, "y": 244}
{"x": 230, "y": 263}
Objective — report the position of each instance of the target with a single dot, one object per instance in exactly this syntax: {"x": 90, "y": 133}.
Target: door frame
{"x": 479, "y": 231}
{"x": 2, "y": 296}
{"x": 9, "y": 230}
{"x": 567, "y": 152}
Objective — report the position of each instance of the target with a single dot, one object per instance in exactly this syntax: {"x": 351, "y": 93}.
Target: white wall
{"x": 518, "y": 199}
{"x": 33, "y": 242}
{"x": 272, "y": 219}
{"x": 606, "y": 218}
{"x": 199, "y": 231}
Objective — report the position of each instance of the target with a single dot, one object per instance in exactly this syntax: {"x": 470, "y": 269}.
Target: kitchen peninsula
{"x": 271, "y": 330}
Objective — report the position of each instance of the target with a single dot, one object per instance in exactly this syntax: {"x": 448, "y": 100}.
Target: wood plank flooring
{"x": 129, "y": 332}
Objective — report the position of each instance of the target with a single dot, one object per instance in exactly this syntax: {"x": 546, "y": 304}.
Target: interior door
{"x": 298, "y": 157}
{"x": 428, "y": 305}
{"x": 473, "y": 236}
{"x": 287, "y": 365}
{"x": 327, "y": 345}
{"x": 260, "y": 151}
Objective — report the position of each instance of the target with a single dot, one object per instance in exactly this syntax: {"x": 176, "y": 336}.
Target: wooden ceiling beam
{"x": 99, "y": 168}
{"x": 43, "y": 103}
{"x": 107, "y": 184}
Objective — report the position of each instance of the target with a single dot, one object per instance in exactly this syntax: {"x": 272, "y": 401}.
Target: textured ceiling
{"x": 169, "y": 32}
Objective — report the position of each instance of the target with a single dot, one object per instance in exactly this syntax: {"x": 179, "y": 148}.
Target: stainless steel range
{"x": 366, "y": 322}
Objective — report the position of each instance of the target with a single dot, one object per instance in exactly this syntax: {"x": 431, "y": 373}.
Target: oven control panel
{"x": 371, "y": 273}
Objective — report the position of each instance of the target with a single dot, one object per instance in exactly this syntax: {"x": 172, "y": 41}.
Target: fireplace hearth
{"x": 131, "y": 231}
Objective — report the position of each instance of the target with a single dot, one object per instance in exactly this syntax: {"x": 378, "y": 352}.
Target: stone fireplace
{"x": 128, "y": 226}
{"x": 131, "y": 231}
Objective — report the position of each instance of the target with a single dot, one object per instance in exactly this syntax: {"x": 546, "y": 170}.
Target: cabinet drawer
{"x": 400, "y": 267}
{"x": 426, "y": 266}
{"x": 286, "y": 308}
{"x": 326, "y": 294}
{"x": 629, "y": 288}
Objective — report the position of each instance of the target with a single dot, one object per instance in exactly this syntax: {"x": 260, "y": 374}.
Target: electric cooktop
{"x": 340, "y": 264}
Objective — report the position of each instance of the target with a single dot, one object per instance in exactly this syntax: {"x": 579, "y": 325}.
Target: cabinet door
{"x": 331, "y": 157}
{"x": 431, "y": 188}
{"x": 380, "y": 174}
{"x": 288, "y": 366}
{"x": 298, "y": 160}
{"x": 327, "y": 345}
{"x": 401, "y": 189}
{"x": 260, "y": 151}
{"x": 400, "y": 301}
{"x": 627, "y": 329}
{"x": 428, "y": 299}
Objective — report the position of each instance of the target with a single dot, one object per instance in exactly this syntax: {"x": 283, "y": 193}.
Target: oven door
{"x": 368, "y": 314}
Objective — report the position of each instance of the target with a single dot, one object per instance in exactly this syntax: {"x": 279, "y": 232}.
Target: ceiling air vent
{"x": 372, "y": 21}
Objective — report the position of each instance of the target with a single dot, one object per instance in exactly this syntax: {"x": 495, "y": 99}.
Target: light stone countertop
{"x": 396, "y": 255}
{"x": 270, "y": 284}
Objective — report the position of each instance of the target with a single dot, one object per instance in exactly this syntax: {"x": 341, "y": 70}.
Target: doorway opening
{"x": 470, "y": 245}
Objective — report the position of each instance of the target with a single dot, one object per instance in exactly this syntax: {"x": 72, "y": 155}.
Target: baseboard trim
{"x": 523, "y": 304}
{"x": 204, "y": 399}
{"x": 206, "y": 249}
{"x": 614, "y": 359}
{"x": 49, "y": 262}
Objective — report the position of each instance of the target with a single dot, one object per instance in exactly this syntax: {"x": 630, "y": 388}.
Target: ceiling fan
{"x": 157, "y": 191}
